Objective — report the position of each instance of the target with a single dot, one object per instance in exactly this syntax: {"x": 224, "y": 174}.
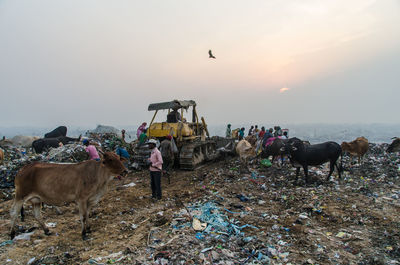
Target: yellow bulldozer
{"x": 191, "y": 137}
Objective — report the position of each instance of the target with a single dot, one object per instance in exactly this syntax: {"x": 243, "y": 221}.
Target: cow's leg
{"x": 38, "y": 217}
{"x": 331, "y": 168}
{"x": 83, "y": 215}
{"x": 15, "y": 209}
{"x": 22, "y": 214}
{"x": 279, "y": 159}
{"x": 297, "y": 173}
{"x": 338, "y": 169}
{"x": 305, "y": 168}
{"x": 88, "y": 209}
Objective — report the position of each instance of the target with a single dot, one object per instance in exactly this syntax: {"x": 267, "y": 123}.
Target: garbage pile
{"x": 234, "y": 213}
{"x": 102, "y": 130}
{"x": 259, "y": 214}
{"x": 16, "y": 158}
{"x": 72, "y": 153}
{"x": 107, "y": 141}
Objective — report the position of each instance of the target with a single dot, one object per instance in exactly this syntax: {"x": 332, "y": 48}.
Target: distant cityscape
{"x": 377, "y": 133}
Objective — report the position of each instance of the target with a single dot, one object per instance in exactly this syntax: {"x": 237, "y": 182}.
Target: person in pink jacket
{"x": 91, "y": 150}
{"x": 156, "y": 163}
{"x": 141, "y": 129}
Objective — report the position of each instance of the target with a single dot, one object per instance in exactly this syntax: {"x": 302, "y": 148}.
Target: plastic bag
{"x": 174, "y": 147}
{"x": 266, "y": 163}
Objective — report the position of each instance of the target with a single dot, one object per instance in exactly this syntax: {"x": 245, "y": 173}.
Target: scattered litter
{"x": 7, "y": 242}
{"x": 132, "y": 184}
{"x": 51, "y": 225}
{"x": 198, "y": 226}
{"x": 31, "y": 261}
{"x": 24, "y": 236}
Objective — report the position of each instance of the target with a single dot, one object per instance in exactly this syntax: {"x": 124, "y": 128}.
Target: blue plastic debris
{"x": 230, "y": 211}
{"x": 218, "y": 223}
{"x": 248, "y": 239}
{"x": 7, "y": 242}
{"x": 242, "y": 198}
{"x": 199, "y": 236}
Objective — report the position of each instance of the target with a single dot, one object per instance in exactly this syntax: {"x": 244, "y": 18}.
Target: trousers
{"x": 155, "y": 181}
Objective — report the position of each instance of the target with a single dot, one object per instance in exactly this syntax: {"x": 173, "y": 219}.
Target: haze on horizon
{"x": 84, "y": 63}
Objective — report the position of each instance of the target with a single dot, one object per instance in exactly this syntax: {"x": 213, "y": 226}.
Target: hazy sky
{"x": 90, "y": 62}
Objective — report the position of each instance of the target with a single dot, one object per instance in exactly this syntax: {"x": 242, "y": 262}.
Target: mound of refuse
{"x": 16, "y": 158}
{"x": 104, "y": 129}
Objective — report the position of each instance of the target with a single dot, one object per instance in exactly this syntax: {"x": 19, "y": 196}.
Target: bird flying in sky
{"x": 210, "y": 55}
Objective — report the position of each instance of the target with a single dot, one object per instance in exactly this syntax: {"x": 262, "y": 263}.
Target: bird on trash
{"x": 210, "y": 55}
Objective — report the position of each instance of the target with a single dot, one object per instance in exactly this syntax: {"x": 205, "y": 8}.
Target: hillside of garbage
{"x": 224, "y": 212}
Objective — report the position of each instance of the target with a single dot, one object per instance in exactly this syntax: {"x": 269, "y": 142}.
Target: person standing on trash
{"x": 251, "y": 130}
{"x": 261, "y": 133}
{"x": 278, "y": 131}
{"x": 91, "y": 150}
{"x": 228, "y": 133}
{"x": 260, "y": 139}
{"x": 167, "y": 153}
{"x": 267, "y": 135}
{"x": 285, "y": 134}
{"x": 121, "y": 152}
{"x": 124, "y": 157}
{"x": 241, "y": 134}
{"x": 156, "y": 163}
{"x": 143, "y": 137}
{"x": 256, "y": 130}
{"x": 141, "y": 129}
{"x": 123, "y": 135}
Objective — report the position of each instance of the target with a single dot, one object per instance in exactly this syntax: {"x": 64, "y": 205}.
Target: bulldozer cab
{"x": 176, "y": 123}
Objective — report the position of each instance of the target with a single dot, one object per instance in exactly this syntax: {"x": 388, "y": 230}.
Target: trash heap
{"x": 16, "y": 158}
{"x": 233, "y": 213}
{"x": 108, "y": 141}
{"x": 69, "y": 153}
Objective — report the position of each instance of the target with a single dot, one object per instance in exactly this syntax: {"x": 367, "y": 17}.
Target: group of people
{"x": 259, "y": 133}
{"x": 162, "y": 159}
{"x": 262, "y": 135}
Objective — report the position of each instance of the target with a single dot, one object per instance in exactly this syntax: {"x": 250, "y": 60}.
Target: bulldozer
{"x": 192, "y": 138}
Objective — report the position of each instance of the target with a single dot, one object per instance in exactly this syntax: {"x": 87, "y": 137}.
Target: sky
{"x": 82, "y": 63}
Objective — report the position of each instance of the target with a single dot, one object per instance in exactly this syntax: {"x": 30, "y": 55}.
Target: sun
{"x": 284, "y": 89}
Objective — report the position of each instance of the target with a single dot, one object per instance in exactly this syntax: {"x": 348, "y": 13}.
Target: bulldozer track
{"x": 194, "y": 154}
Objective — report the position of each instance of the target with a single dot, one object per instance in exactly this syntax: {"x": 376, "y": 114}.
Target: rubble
{"x": 229, "y": 213}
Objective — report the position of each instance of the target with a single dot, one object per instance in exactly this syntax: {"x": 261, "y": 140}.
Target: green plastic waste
{"x": 266, "y": 163}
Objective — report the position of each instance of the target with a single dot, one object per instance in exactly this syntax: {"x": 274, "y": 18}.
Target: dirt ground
{"x": 354, "y": 220}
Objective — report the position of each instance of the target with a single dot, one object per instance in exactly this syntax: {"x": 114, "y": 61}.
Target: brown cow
{"x": 56, "y": 184}
{"x": 358, "y": 147}
{"x": 245, "y": 150}
{"x": 394, "y": 146}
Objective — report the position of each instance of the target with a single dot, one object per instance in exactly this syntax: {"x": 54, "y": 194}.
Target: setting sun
{"x": 284, "y": 89}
